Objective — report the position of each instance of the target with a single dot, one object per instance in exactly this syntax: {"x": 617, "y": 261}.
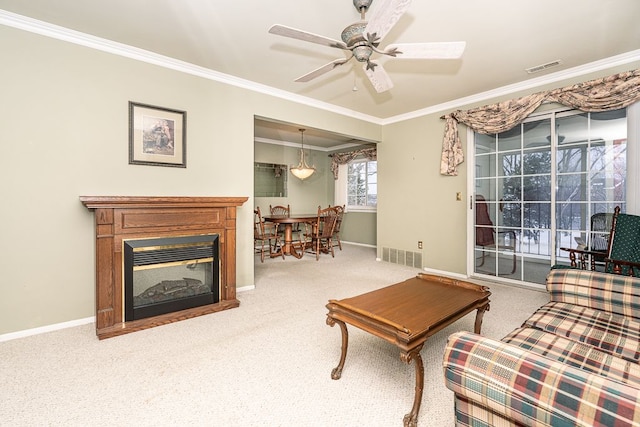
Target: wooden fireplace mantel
{"x": 120, "y": 218}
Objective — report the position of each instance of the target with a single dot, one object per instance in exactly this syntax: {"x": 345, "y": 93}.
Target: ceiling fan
{"x": 363, "y": 38}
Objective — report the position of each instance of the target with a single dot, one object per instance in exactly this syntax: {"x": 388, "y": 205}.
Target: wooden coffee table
{"x": 407, "y": 314}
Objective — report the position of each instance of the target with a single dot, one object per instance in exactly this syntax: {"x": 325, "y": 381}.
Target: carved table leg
{"x": 336, "y": 373}
{"x": 411, "y": 419}
{"x": 479, "y": 315}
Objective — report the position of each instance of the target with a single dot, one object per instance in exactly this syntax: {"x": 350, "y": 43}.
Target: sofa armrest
{"x": 533, "y": 390}
{"x": 597, "y": 290}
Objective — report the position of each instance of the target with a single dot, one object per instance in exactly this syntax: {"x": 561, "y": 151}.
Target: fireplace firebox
{"x": 168, "y": 274}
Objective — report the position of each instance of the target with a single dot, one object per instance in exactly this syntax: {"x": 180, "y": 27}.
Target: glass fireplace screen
{"x": 168, "y": 274}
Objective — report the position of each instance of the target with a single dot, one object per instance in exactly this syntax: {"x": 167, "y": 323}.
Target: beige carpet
{"x": 266, "y": 363}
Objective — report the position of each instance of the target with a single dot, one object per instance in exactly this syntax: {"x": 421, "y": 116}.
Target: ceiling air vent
{"x": 542, "y": 67}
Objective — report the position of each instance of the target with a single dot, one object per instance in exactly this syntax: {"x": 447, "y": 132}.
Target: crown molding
{"x": 61, "y": 33}
{"x": 46, "y": 29}
{"x": 307, "y": 146}
{"x": 613, "y": 61}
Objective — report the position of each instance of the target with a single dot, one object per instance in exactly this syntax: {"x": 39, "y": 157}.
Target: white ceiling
{"x": 504, "y": 37}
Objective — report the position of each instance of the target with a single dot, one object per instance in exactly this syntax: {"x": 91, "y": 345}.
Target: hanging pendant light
{"x": 302, "y": 171}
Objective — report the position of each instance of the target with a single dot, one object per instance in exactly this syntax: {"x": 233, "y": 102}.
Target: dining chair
{"x": 488, "y": 238}
{"x": 336, "y": 232}
{"x": 320, "y": 239}
{"x": 280, "y": 210}
{"x": 265, "y": 233}
{"x": 284, "y": 211}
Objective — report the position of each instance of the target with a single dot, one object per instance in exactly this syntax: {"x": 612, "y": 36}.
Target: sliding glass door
{"x": 537, "y": 187}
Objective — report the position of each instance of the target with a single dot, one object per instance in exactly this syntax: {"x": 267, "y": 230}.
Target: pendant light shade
{"x": 302, "y": 171}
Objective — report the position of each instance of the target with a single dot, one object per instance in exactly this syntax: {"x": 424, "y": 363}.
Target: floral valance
{"x": 603, "y": 94}
{"x": 344, "y": 158}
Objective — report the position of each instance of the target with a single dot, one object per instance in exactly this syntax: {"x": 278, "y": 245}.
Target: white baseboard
{"x": 44, "y": 329}
{"x": 70, "y": 324}
{"x": 446, "y": 273}
{"x": 359, "y": 244}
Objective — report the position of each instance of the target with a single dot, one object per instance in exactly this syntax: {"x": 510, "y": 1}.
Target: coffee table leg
{"x": 411, "y": 419}
{"x": 479, "y": 315}
{"x": 336, "y": 373}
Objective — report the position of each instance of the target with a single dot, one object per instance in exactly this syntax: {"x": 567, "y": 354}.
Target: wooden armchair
{"x": 336, "y": 231}
{"x": 623, "y": 251}
{"x": 280, "y": 210}
{"x": 265, "y": 233}
{"x": 284, "y": 211}
{"x": 320, "y": 239}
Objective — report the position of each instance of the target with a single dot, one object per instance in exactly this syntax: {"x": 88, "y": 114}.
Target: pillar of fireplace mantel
{"x": 120, "y": 218}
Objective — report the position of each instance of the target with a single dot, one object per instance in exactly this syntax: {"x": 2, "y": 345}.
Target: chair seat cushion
{"x": 608, "y": 332}
{"x": 576, "y": 353}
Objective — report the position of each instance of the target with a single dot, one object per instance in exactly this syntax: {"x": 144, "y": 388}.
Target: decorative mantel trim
{"x": 94, "y": 202}
{"x": 121, "y": 217}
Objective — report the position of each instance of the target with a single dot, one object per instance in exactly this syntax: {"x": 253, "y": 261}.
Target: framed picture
{"x": 157, "y": 136}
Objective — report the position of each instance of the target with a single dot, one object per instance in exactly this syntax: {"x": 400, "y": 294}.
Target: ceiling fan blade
{"x": 385, "y": 15}
{"x": 322, "y": 70}
{"x": 282, "y": 30}
{"x": 444, "y": 50}
{"x": 378, "y": 78}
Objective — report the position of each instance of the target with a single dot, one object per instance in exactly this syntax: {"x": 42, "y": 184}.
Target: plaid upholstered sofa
{"x": 574, "y": 362}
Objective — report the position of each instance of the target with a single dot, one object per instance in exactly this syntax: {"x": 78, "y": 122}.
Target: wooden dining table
{"x": 289, "y": 221}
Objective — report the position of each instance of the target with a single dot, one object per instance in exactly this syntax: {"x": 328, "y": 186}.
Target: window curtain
{"x": 603, "y": 94}
{"x": 344, "y": 158}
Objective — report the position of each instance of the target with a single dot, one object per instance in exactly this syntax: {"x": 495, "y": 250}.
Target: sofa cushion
{"x": 576, "y": 354}
{"x": 600, "y": 291}
{"x": 609, "y": 332}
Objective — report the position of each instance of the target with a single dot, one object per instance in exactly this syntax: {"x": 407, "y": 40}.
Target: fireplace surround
{"x": 121, "y": 220}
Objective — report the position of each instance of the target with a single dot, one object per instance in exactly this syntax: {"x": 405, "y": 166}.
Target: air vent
{"x": 398, "y": 256}
{"x": 542, "y": 67}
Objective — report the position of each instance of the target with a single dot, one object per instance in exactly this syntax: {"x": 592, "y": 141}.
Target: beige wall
{"x": 359, "y": 227}
{"x": 415, "y": 203}
{"x": 64, "y": 112}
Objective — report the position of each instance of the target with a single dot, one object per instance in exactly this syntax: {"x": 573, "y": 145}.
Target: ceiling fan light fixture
{"x": 362, "y": 39}
{"x": 302, "y": 171}
{"x": 362, "y": 53}
{"x": 362, "y": 4}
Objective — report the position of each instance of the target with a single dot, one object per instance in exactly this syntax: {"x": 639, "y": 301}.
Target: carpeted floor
{"x": 266, "y": 363}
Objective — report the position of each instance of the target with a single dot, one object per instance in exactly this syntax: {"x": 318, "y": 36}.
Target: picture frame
{"x": 157, "y": 136}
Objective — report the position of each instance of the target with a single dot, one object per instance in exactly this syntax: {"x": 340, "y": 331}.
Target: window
{"x": 357, "y": 185}
{"x": 362, "y": 184}
{"x": 542, "y": 181}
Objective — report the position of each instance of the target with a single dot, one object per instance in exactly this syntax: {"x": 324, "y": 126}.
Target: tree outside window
{"x": 362, "y": 184}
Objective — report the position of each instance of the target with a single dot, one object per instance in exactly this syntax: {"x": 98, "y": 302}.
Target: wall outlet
{"x": 419, "y": 244}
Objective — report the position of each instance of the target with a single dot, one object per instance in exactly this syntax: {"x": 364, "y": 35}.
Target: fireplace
{"x": 182, "y": 262}
{"x": 168, "y": 274}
